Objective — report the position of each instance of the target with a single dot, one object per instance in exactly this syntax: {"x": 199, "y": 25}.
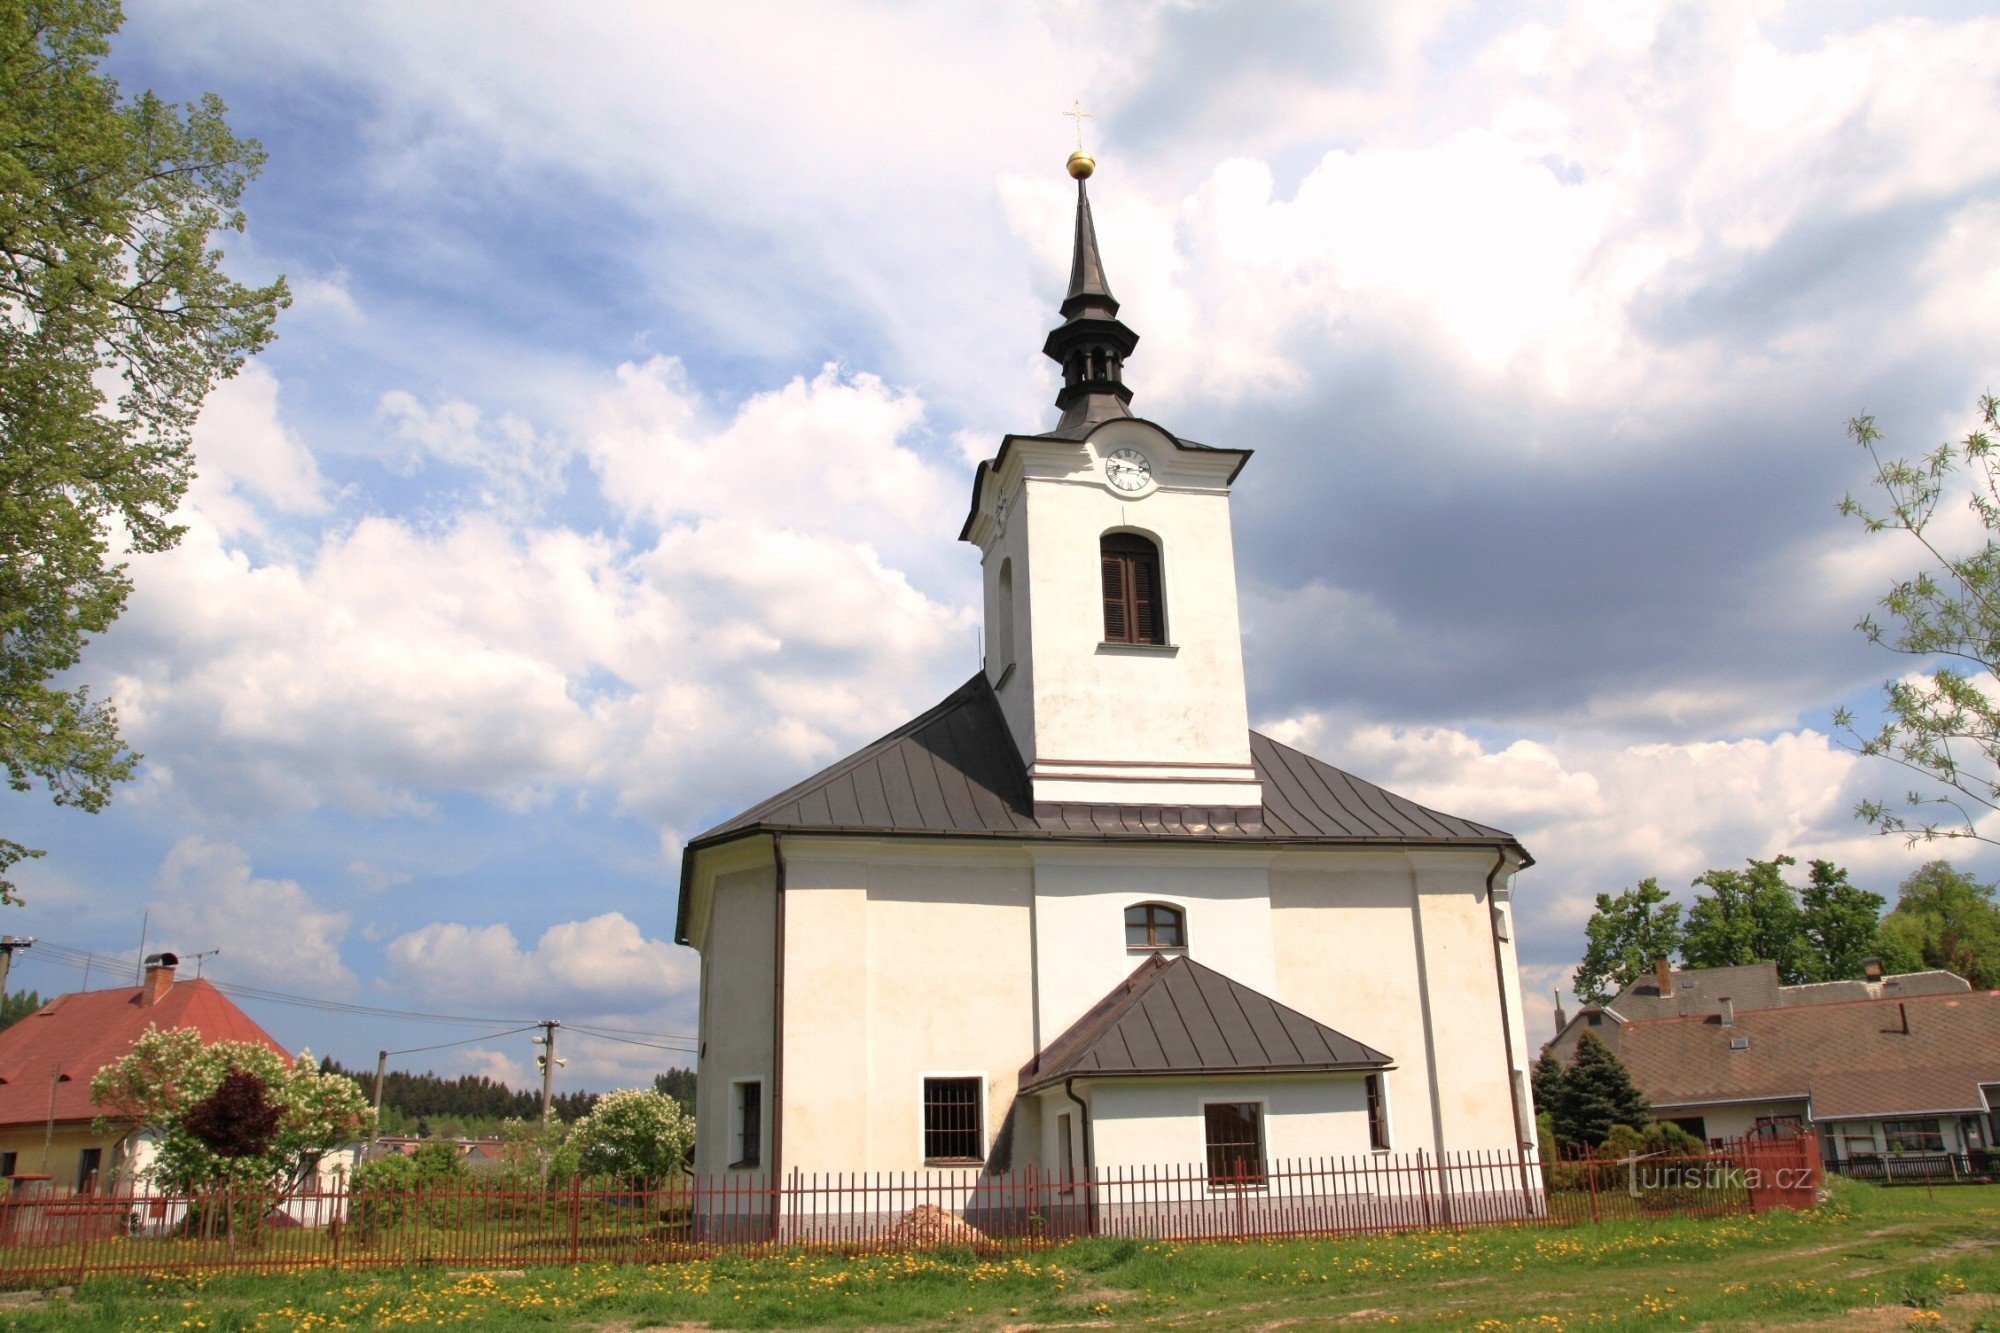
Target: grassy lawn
{"x": 1875, "y": 1258}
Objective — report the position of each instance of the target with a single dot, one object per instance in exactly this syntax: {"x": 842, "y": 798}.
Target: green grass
{"x": 1874, "y": 1258}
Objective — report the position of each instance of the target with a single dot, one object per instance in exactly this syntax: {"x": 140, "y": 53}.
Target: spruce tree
{"x": 1597, "y": 1093}
{"x": 1547, "y": 1082}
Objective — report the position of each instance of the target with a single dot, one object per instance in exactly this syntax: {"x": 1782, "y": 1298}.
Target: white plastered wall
{"x": 1081, "y": 894}
{"x": 903, "y": 960}
{"x": 1137, "y": 724}
{"x": 1158, "y": 1122}
{"x": 736, "y": 999}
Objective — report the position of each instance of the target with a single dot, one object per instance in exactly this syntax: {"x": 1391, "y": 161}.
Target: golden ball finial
{"x": 1081, "y": 164}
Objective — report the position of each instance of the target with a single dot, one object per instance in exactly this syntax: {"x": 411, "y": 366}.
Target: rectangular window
{"x": 7, "y": 1161}
{"x": 749, "y": 1117}
{"x": 1378, "y": 1115}
{"x": 88, "y": 1162}
{"x": 953, "y": 1131}
{"x": 1066, "y": 1152}
{"x": 1913, "y": 1135}
{"x": 1235, "y": 1132}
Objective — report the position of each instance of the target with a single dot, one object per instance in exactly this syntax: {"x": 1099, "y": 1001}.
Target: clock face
{"x": 1127, "y": 470}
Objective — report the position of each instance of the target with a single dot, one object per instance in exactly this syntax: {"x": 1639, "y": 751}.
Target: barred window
{"x": 1235, "y": 1132}
{"x": 953, "y": 1128}
{"x": 1155, "y": 926}
{"x": 1378, "y": 1114}
{"x": 749, "y": 1124}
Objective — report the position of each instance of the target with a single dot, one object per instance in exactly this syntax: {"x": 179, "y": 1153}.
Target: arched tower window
{"x": 1134, "y": 602}
{"x": 1003, "y": 617}
{"x": 1151, "y": 926}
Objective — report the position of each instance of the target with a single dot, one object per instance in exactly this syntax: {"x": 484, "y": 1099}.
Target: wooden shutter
{"x": 1134, "y": 608}
{"x": 1117, "y": 620}
{"x": 1146, "y": 598}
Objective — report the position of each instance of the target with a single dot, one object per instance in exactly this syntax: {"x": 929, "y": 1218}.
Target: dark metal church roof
{"x": 953, "y": 771}
{"x": 1178, "y": 1017}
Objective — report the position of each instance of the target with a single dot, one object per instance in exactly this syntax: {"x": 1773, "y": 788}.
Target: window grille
{"x": 1235, "y": 1133}
{"x": 1378, "y": 1114}
{"x": 1155, "y": 926}
{"x": 952, "y": 1116}
{"x": 1133, "y": 607}
{"x": 749, "y": 1124}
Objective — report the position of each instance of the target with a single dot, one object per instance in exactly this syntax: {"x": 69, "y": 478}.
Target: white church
{"x": 1078, "y": 917}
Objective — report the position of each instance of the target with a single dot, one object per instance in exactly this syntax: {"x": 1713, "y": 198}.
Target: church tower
{"x": 1113, "y": 639}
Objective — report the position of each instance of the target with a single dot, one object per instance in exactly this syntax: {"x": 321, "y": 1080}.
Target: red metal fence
{"x": 490, "y": 1223}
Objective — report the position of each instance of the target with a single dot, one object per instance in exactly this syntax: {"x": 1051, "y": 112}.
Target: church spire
{"x": 1091, "y": 344}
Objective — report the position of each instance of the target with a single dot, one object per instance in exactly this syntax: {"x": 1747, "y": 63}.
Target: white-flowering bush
{"x": 169, "y": 1072}
{"x": 634, "y": 1134}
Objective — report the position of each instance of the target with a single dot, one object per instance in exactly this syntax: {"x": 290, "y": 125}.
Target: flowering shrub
{"x": 636, "y": 1134}
{"x": 172, "y": 1084}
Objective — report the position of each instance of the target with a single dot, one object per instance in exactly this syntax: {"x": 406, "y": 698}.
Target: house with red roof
{"x": 1885, "y": 1069}
{"x": 48, "y": 1059}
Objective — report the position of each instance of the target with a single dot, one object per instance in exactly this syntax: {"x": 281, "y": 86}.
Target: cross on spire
{"x": 1079, "y": 115}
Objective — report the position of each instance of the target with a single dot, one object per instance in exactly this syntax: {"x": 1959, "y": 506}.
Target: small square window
{"x": 1235, "y": 1132}
{"x": 953, "y": 1121}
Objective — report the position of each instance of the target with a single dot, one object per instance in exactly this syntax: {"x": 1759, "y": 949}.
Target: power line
{"x": 490, "y": 1036}
{"x": 66, "y": 956}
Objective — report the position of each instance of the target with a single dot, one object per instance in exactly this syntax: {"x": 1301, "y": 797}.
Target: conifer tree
{"x": 1597, "y": 1093}
{"x": 1547, "y": 1082}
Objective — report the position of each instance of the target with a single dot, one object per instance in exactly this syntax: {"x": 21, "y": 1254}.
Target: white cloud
{"x": 246, "y": 458}
{"x": 758, "y": 633}
{"x": 270, "y": 931}
{"x": 518, "y": 469}
{"x": 1600, "y": 815}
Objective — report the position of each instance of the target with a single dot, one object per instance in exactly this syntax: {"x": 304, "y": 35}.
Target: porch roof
{"x": 1174, "y": 1016}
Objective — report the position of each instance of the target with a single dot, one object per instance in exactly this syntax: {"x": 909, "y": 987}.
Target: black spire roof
{"x": 1091, "y": 343}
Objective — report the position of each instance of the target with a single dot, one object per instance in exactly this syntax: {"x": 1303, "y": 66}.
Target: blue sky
{"x": 605, "y": 475}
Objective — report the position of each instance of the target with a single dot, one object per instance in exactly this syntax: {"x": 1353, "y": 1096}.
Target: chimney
{"x": 1728, "y": 1011}
{"x": 1663, "y": 977}
{"x": 159, "y": 978}
{"x": 1872, "y": 968}
{"x": 1562, "y": 1019}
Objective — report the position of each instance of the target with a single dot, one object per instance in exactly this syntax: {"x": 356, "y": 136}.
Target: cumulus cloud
{"x": 400, "y": 659}
{"x": 270, "y": 932}
{"x": 604, "y": 963}
{"x": 248, "y": 461}
{"x": 517, "y": 469}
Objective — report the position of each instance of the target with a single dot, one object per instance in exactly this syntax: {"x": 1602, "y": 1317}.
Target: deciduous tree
{"x": 1941, "y": 722}
{"x": 1626, "y": 933}
{"x": 116, "y": 319}
{"x": 1944, "y": 918}
{"x": 1749, "y": 916}
{"x": 1840, "y": 921}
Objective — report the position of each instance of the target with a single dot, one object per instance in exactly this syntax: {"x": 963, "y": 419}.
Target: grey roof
{"x": 1701, "y": 990}
{"x": 953, "y": 771}
{"x": 1087, "y": 283}
{"x": 1174, "y": 1016}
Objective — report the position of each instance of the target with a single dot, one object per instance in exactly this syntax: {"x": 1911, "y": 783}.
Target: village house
{"x": 1079, "y": 916}
{"x": 1881, "y": 1068}
{"x": 48, "y": 1059}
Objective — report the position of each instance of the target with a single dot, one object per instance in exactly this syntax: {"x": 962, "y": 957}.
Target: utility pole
{"x": 381, "y": 1073}
{"x": 547, "y": 1060}
{"x": 9, "y": 943}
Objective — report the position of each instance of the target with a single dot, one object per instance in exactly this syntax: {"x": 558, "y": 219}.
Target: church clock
{"x": 1127, "y": 470}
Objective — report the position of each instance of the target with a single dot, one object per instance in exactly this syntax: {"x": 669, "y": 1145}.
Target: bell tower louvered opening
{"x": 1134, "y": 610}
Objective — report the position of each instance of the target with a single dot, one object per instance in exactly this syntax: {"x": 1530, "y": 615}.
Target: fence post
{"x": 1590, "y": 1174}
{"x": 575, "y": 1217}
